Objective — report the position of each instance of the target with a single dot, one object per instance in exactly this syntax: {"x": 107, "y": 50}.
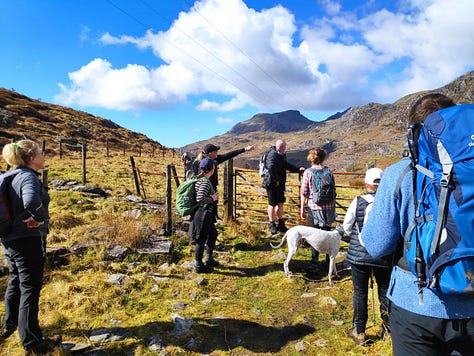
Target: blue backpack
{"x": 439, "y": 243}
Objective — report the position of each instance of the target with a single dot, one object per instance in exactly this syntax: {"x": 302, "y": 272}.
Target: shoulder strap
{"x": 447, "y": 165}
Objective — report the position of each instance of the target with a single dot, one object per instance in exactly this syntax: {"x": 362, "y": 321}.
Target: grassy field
{"x": 246, "y": 307}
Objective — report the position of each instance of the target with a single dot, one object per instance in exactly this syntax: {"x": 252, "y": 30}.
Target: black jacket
{"x": 27, "y": 197}
{"x": 222, "y": 158}
{"x": 277, "y": 165}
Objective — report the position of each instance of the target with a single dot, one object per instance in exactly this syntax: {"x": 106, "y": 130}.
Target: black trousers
{"x": 414, "y": 334}
{"x": 205, "y": 233}
{"x": 314, "y": 252}
{"x": 26, "y": 258}
{"x": 360, "y": 281}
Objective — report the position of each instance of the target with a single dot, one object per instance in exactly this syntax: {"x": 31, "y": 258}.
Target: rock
{"x": 300, "y": 346}
{"x": 309, "y": 295}
{"x": 329, "y": 300}
{"x": 155, "y": 245}
{"x": 117, "y": 251}
{"x": 109, "y": 334}
{"x": 182, "y": 326}
{"x": 118, "y": 279}
{"x": 134, "y": 213}
{"x": 155, "y": 343}
{"x": 178, "y": 306}
{"x": 188, "y": 264}
{"x": 159, "y": 278}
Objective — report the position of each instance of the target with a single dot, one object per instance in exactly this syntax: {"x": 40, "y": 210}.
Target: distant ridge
{"x": 372, "y": 133}
{"x": 281, "y": 122}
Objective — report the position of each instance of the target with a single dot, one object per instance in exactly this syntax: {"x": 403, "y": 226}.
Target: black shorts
{"x": 276, "y": 195}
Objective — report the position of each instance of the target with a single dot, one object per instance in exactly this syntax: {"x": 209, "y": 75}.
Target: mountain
{"x": 282, "y": 122}
{"x": 372, "y": 133}
{"x": 23, "y": 117}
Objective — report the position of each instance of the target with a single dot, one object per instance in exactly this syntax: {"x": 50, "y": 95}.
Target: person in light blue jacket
{"x": 442, "y": 324}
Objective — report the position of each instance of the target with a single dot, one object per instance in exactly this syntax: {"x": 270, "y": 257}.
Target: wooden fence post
{"x": 123, "y": 148}
{"x": 60, "y": 148}
{"x": 44, "y": 178}
{"x": 135, "y": 175}
{"x": 169, "y": 201}
{"x": 228, "y": 191}
{"x": 84, "y": 150}
{"x": 175, "y": 175}
{"x": 107, "y": 148}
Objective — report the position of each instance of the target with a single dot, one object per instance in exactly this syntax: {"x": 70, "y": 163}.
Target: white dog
{"x": 324, "y": 241}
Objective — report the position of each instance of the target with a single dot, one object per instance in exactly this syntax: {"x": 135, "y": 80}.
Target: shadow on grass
{"x": 228, "y": 334}
{"x": 207, "y": 336}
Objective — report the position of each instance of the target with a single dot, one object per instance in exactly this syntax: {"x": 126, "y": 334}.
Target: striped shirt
{"x": 204, "y": 190}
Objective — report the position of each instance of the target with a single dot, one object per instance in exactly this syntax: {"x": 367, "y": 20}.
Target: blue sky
{"x": 181, "y": 71}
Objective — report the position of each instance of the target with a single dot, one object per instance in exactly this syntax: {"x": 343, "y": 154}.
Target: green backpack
{"x": 186, "y": 196}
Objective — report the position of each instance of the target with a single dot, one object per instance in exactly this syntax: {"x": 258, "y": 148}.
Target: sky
{"x": 182, "y": 71}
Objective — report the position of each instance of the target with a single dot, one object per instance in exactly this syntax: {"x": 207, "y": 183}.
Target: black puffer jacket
{"x": 357, "y": 254}
{"x": 277, "y": 165}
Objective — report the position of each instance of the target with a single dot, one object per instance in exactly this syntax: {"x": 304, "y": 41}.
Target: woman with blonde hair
{"x": 24, "y": 244}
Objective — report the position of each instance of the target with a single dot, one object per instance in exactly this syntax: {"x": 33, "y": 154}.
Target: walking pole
{"x": 373, "y": 302}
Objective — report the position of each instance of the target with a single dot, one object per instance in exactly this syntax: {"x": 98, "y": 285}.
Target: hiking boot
{"x": 45, "y": 347}
{"x": 6, "y": 333}
{"x": 211, "y": 263}
{"x": 273, "y": 228}
{"x": 199, "y": 267}
{"x": 359, "y": 338}
{"x": 281, "y": 226}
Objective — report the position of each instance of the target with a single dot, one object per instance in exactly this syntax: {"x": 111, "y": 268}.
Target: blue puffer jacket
{"x": 27, "y": 197}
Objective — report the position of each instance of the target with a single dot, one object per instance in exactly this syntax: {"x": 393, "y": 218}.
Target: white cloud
{"x": 238, "y": 56}
{"x": 224, "y": 120}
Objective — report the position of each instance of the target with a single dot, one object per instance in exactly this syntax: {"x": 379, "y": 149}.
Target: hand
{"x": 303, "y": 214}
{"x": 249, "y": 148}
{"x": 32, "y": 223}
{"x": 215, "y": 196}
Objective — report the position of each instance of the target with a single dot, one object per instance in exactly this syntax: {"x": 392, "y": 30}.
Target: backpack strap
{"x": 447, "y": 165}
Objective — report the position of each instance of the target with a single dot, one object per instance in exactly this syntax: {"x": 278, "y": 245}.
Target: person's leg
{"x": 279, "y": 211}
{"x": 360, "y": 282}
{"x": 272, "y": 210}
{"x": 210, "y": 245}
{"x": 460, "y": 336}
{"x": 382, "y": 278}
{"x": 414, "y": 334}
{"x": 30, "y": 261}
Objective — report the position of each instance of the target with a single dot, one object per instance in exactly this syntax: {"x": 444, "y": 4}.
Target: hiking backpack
{"x": 439, "y": 243}
{"x": 5, "y": 216}
{"x": 324, "y": 187}
{"x": 262, "y": 165}
{"x": 191, "y": 165}
{"x": 186, "y": 196}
